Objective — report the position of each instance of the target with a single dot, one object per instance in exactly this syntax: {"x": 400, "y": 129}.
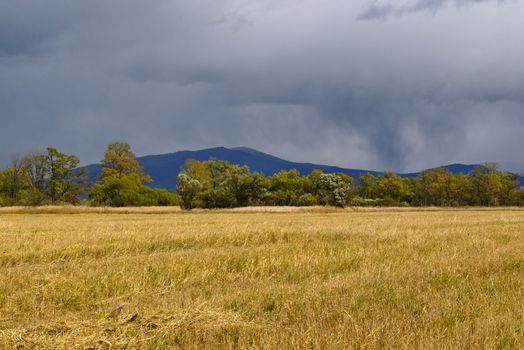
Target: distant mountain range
{"x": 164, "y": 168}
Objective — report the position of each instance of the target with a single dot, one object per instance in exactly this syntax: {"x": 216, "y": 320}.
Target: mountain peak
{"x": 258, "y": 153}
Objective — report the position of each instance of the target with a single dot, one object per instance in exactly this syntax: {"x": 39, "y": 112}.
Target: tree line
{"x": 53, "y": 178}
{"x": 218, "y": 184}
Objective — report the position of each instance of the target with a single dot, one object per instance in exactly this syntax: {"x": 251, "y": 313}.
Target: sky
{"x": 399, "y": 85}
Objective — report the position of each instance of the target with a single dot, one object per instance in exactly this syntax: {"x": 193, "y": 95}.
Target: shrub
{"x": 307, "y": 200}
{"x": 128, "y": 191}
{"x": 365, "y": 202}
{"x": 167, "y": 198}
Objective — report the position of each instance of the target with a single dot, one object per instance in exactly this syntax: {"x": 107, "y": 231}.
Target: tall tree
{"x": 484, "y": 185}
{"x": 121, "y": 181}
{"x": 394, "y": 189}
{"x": 119, "y": 159}
{"x": 368, "y": 186}
{"x": 63, "y": 184}
{"x": 35, "y": 165}
{"x": 435, "y": 187}
{"x": 12, "y": 182}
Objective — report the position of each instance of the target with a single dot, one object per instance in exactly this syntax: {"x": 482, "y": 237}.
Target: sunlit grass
{"x": 318, "y": 278}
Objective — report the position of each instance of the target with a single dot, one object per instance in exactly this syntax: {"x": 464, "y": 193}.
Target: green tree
{"x": 313, "y": 185}
{"x": 121, "y": 182}
{"x": 458, "y": 189}
{"x": 188, "y": 189}
{"x": 393, "y": 189}
{"x": 518, "y": 197}
{"x": 219, "y": 184}
{"x": 120, "y": 160}
{"x": 286, "y": 187}
{"x": 40, "y": 178}
{"x": 35, "y": 166}
{"x": 120, "y": 191}
{"x": 437, "y": 187}
{"x": 508, "y": 187}
{"x": 197, "y": 170}
{"x": 63, "y": 183}
{"x": 13, "y": 182}
{"x": 248, "y": 188}
{"x": 368, "y": 186}
{"x": 486, "y": 185}
{"x": 335, "y": 189}
{"x": 129, "y": 191}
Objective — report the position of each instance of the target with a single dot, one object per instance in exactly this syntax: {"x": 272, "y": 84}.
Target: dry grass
{"x": 318, "y": 279}
{"x": 55, "y": 209}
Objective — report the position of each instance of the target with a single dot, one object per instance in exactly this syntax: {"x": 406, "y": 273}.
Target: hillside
{"x": 164, "y": 168}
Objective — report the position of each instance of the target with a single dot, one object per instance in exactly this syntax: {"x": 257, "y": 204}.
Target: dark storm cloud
{"x": 299, "y": 79}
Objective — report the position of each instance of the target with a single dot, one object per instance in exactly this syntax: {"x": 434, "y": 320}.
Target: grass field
{"x": 318, "y": 279}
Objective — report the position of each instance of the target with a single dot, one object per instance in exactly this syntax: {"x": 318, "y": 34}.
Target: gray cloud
{"x": 381, "y": 10}
{"x": 302, "y": 80}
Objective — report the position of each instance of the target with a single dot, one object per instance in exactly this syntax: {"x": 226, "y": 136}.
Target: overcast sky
{"x": 400, "y": 85}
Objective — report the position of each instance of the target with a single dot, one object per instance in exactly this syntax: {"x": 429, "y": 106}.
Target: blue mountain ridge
{"x": 164, "y": 168}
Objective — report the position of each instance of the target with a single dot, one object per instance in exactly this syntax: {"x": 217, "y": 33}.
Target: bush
{"x": 128, "y": 191}
{"x": 166, "y": 198}
{"x": 365, "y": 202}
{"x": 307, "y": 200}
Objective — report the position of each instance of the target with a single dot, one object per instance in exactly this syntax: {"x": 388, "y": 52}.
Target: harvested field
{"x": 146, "y": 278}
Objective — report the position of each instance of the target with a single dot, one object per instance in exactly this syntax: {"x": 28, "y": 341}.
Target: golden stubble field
{"x": 316, "y": 279}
